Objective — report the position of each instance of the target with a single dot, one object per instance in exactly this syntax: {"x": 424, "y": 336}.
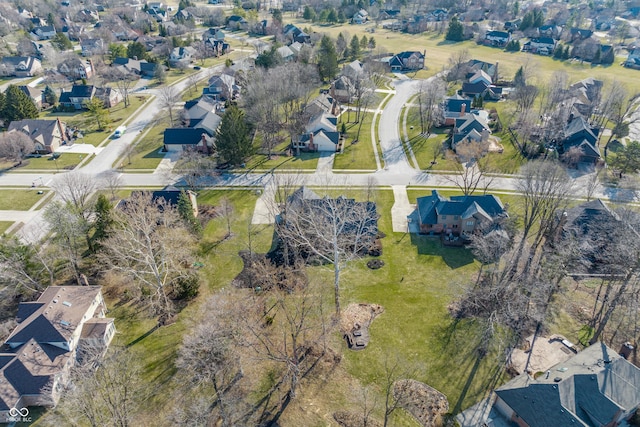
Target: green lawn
{"x": 357, "y": 155}
{"x": 20, "y": 200}
{"x": 4, "y": 226}
{"x": 66, "y": 161}
{"x": 146, "y": 151}
{"x": 305, "y": 161}
{"x": 88, "y": 125}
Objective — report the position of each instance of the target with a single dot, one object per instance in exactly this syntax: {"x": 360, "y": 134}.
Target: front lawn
{"x": 88, "y": 126}
{"x": 4, "y": 226}
{"x": 20, "y": 200}
{"x": 305, "y": 161}
{"x": 358, "y": 155}
{"x": 65, "y": 161}
{"x": 146, "y": 152}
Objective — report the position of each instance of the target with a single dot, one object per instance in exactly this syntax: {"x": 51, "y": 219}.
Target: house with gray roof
{"x": 191, "y": 138}
{"x": 20, "y": 66}
{"x": 596, "y": 387}
{"x": 458, "y": 215}
{"x": 51, "y": 334}
{"x": 34, "y": 93}
{"x": 581, "y": 136}
{"x": 47, "y": 135}
{"x": 46, "y": 32}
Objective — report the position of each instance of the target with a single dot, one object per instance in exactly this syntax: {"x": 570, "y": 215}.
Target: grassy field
{"x": 66, "y": 161}
{"x": 359, "y": 155}
{"x": 146, "y": 152}
{"x": 305, "y": 161}
{"x": 4, "y": 226}
{"x": 88, "y": 125}
{"x": 438, "y": 51}
{"x": 20, "y": 200}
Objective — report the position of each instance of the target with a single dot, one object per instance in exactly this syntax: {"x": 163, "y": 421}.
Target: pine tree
{"x": 332, "y": 17}
{"x": 136, "y": 50}
{"x": 49, "y": 96}
{"x": 372, "y": 43}
{"x": 364, "y": 42}
{"x": 96, "y": 110}
{"x": 519, "y": 79}
{"x": 597, "y": 58}
{"x": 327, "y": 59}
{"x": 354, "y": 48}
{"x": 455, "y": 32}
{"x": 185, "y": 209}
{"x": 232, "y": 137}
{"x": 18, "y": 105}
{"x": 558, "y": 51}
{"x": 567, "y": 53}
{"x": 308, "y": 13}
{"x": 103, "y": 222}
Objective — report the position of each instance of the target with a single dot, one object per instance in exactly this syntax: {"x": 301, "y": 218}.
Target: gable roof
{"x": 431, "y": 207}
{"x": 474, "y": 88}
{"x": 38, "y": 130}
{"x": 498, "y": 34}
{"x": 184, "y": 136}
{"x": 586, "y": 390}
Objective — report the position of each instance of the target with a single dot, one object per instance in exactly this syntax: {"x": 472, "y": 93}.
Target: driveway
{"x": 401, "y": 210}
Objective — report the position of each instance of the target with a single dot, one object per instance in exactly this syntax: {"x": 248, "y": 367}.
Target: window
{"x": 443, "y": 217}
{"x": 455, "y": 225}
{"x": 470, "y": 223}
{"x": 455, "y": 217}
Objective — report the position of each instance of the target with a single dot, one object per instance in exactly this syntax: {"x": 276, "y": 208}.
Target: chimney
{"x": 311, "y": 140}
{"x": 463, "y": 109}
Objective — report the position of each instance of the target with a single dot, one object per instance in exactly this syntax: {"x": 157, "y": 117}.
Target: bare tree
{"x": 124, "y": 81}
{"x": 75, "y": 189}
{"x": 150, "y": 245}
{"x": 430, "y": 94}
{"x": 167, "y": 97}
{"x": 194, "y": 167}
{"x": 226, "y": 211}
{"x": 69, "y": 232}
{"x": 23, "y": 269}
{"x": 112, "y": 180}
{"x": 458, "y": 65}
{"x": 103, "y": 392}
{"x": 471, "y": 164}
{"x": 208, "y": 357}
{"x": 335, "y": 230}
{"x": 15, "y": 146}
{"x": 262, "y": 102}
{"x": 395, "y": 390}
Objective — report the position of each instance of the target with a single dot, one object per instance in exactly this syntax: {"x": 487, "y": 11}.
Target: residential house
{"x": 475, "y": 65}
{"x": 92, "y": 46}
{"x": 455, "y": 107}
{"x": 407, "y": 61}
{"x": 470, "y": 127}
{"x": 182, "y": 139}
{"x": 353, "y": 70}
{"x": 221, "y": 87}
{"x": 479, "y": 84}
{"x": 596, "y": 387}
{"x": 217, "y": 47}
{"x": 181, "y": 55}
{"x": 73, "y": 30}
{"x": 203, "y": 114}
{"x": 607, "y": 54}
{"x": 155, "y": 5}
{"x": 46, "y": 32}
{"x": 47, "y": 135}
{"x": 213, "y": 33}
{"x": 305, "y": 203}
{"x": 579, "y": 135}
{"x": 458, "y": 215}
{"x": 583, "y": 96}
{"x": 236, "y": 22}
{"x": 80, "y": 94}
{"x": 552, "y": 31}
{"x": 496, "y": 38}
{"x": 34, "y": 93}
{"x": 360, "y": 17}
{"x": 295, "y": 34}
{"x": 150, "y": 41}
{"x": 296, "y": 47}
{"x": 580, "y": 34}
{"x": 323, "y": 103}
{"x": 75, "y": 68}
{"x": 480, "y": 76}
{"x": 52, "y": 334}
{"x": 389, "y": 14}
{"x": 512, "y": 26}
{"x": 134, "y": 66}
{"x": 37, "y": 21}
{"x": 343, "y": 90}
{"x": 633, "y": 60}
{"x": 438, "y": 15}
{"x": 160, "y": 15}
{"x": 87, "y": 15}
{"x": 171, "y": 196}
{"x": 540, "y": 45}
{"x": 285, "y": 53}
{"x": 20, "y": 66}
{"x": 321, "y": 134}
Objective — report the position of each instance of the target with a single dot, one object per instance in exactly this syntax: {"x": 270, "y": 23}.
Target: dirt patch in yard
{"x": 424, "y": 402}
{"x": 352, "y": 419}
{"x": 355, "y": 322}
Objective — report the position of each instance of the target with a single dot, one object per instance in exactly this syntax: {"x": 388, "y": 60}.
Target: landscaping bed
{"x": 425, "y": 403}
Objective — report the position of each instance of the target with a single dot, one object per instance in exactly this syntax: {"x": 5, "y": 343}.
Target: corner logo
{"x": 19, "y": 415}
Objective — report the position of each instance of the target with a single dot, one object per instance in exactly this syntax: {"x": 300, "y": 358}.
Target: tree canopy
{"x": 17, "y": 105}
{"x": 327, "y": 59}
{"x": 455, "y": 32}
{"x": 232, "y": 137}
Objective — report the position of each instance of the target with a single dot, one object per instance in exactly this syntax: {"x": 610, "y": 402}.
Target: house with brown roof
{"x": 20, "y": 66}
{"x": 52, "y": 332}
{"x": 47, "y": 135}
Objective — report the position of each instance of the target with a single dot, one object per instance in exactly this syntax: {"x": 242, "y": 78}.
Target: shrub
{"x": 187, "y": 287}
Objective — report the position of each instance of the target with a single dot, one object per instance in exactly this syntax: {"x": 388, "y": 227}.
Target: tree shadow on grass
{"x": 454, "y": 257}
{"x": 143, "y": 336}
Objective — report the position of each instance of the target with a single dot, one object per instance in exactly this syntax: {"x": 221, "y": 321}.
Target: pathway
{"x": 264, "y": 210}
{"x": 401, "y": 210}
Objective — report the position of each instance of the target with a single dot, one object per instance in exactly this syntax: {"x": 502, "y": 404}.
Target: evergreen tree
{"x": 332, "y": 17}
{"x": 519, "y": 79}
{"x": 341, "y": 16}
{"x": 162, "y": 31}
{"x": 558, "y": 51}
{"x": 96, "y": 110}
{"x": 136, "y": 50}
{"x": 185, "y": 209}
{"x": 17, "y": 105}
{"x": 3, "y": 102}
{"x": 364, "y": 42}
{"x": 116, "y": 51}
{"x": 62, "y": 42}
{"x": 372, "y": 43}
{"x": 513, "y": 46}
{"x": 269, "y": 58}
{"x": 567, "y": 53}
{"x": 309, "y": 14}
{"x": 341, "y": 46}
{"x": 49, "y": 96}
{"x": 232, "y": 137}
{"x": 354, "y": 48}
{"x": 103, "y": 221}
{"x": 160, "y": 73}
{"x": 455, "y": 32}
{"x": 597, "y": 58}
{"x": 327, "y": 59}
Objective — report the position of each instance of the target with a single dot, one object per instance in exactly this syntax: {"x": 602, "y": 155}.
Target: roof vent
{"x": 65, "y": 323}
{"x": 557, "y": 379}
{"x": 55, "y": 301}
{"x": 66, "y": 303}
